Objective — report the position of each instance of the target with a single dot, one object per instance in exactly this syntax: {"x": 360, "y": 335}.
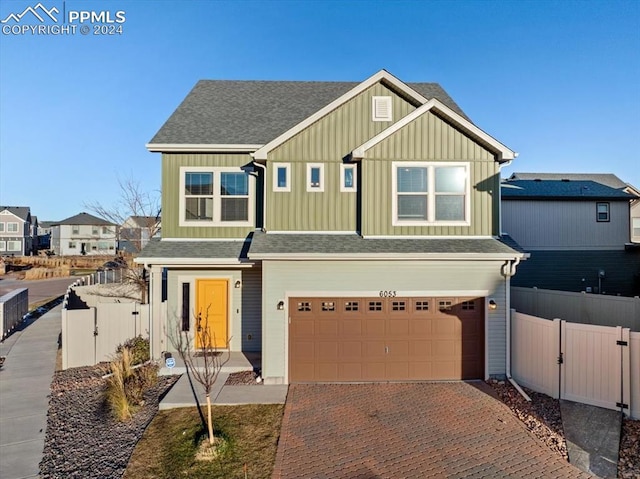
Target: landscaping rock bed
{"x": 82, "y": 439}
{"x": 542, "y": 417}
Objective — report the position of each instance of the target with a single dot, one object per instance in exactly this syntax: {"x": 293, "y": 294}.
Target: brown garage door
{"x": 385, "y": 339}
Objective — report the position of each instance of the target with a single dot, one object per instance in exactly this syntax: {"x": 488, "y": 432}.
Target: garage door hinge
{"x": 560, "y": 359}
{"x": 622, "y": 405}
{"x": 622, "y": 343}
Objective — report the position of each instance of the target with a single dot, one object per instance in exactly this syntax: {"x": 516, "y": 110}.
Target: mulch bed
{"x": 82, "y": 439}
{"x": 243, "y": 378}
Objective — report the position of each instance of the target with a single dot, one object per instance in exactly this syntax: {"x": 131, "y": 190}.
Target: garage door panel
{"x": 377, "y": 339}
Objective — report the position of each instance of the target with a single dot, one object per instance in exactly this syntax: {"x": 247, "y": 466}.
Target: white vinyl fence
{"x": 90, "y": 336}
{"x": 13, "y": 307}
{"x": 582, "y": 308}
{"x": 597, "y": 365}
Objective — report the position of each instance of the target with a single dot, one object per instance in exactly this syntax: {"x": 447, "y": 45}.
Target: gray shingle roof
{"x": 256, "y": 112}
{"x": 21, "y": 212}
{"x": 195, "y": 249}
{"x": 84, "y": 219}
{"x": 559, "y": 189}
{"x": 296, "y": 244}
{"x": 606, "y": 179}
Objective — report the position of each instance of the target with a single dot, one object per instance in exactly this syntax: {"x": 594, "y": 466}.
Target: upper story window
{"x": 602, "y": 212}
{"x": 215, "y": 197}
{"x": 430, "y": 193}
{"x": 348, "y": 178}
{"x": 382, "y": 108}
{"x": 1, "y": 227}
{"x": 281, "y": 177}
{"x": 75, "y": 230}
{"x": 12, "y": 227}
{"x": 315, "y": 177}
{"x": 95, "y": 230}
{"x": 105, "y": 230}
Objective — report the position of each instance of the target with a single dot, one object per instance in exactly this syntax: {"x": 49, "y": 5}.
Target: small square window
{"x": 95, "y": 230}
{"x": 304, "y": 306}
{"x": 422, "y": 305}
{"x": 602, "y": 212}
{"x": 351, "y": 306}
{"x": 328, "y": 306}
{"x": 282, "y": 177}
{"x": 348, "y": 178}
{"x": 444, "y": 305}
{"x": 375, "y": 305}
{"x": 315, "y": 177}
{"x": 398, "y": 306}
{"x": 382, "y": 109}
{"x": 75, "y": 230}
{"x": 468, "y": 305}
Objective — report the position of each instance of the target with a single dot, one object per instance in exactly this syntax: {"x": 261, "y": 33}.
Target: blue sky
{"x": 559, "y": 82}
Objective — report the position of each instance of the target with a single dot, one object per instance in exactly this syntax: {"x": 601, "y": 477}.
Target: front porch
{"x": 238, "y": 361}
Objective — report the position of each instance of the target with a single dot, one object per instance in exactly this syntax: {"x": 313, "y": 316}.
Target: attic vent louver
{"x": 382, "y": 108}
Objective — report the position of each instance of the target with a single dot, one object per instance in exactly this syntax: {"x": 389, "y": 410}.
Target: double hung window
{"x": 430, "y": 193}
{"x": 215, "y": 197}
{"x": 602, "y": 212}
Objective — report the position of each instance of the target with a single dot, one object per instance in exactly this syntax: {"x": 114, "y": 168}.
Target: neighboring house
{"x": 15, "y": 231}
{"x": 83, "y": 234}
{"x": 346, "y": 231}
{"x": 136, "y": 232}
{"x": 44, "y": 234}
{"x": 576, "y": 228}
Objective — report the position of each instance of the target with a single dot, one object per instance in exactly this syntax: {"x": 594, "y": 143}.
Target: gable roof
{"x": 143, "y": 221}
{"x": 22, "y": 212}
{"x": 253, "y": 113}
{"x": 83, "y": 219}
{"x": 606, "y": 179}
{"x": 434, "y": 105}
{"x": 561, "y": 189}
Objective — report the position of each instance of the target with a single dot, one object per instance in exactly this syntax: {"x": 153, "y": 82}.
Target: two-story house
{"x": 136, "y": 232}
{"x": 83, "y": 234}
{"x": 347, "y": 231}
{"x": 15, "y": 231}
{"x": 577, "y": 229}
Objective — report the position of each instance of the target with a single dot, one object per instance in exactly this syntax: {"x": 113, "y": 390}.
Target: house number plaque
{"x": 388, "y": 294}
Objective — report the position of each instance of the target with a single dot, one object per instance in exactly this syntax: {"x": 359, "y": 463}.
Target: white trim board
{"x": 199, "y": 147}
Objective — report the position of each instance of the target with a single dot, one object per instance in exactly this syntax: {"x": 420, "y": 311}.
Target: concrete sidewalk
{"x": 182, "y": 393}
{"x": 25, "y": 381}
{"x": 593, "y": 437}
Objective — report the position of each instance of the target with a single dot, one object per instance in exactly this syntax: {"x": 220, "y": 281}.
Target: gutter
{"x": 264, "y": 193}
{"x": 507, "y": 278}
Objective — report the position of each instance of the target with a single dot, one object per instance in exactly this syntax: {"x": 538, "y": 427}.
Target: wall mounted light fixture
{"x": 238, "y": 284}
{"x": 493, "y": 305}
{"x": 280, "y": 305}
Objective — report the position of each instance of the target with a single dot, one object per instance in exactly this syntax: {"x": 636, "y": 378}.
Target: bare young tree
{"x": 203, "y": 362}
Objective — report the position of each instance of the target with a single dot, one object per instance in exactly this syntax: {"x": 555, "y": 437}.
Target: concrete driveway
{"x": 443, "y": 430}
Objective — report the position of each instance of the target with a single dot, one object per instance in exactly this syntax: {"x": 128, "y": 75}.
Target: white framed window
{"x": 12, "y": 227}
{"x": 1, "y": 227}
{"x": 72, "y": 245}
{"x": 348, "y": 178}
{"x": 216, "y": 196}
{"x": 14, "y": 245}
{"x": 315, "y": 177}
{"x": 105, "y": 230}
{"x": 282, "y": 177}
{"x": 635, "y": 225}
{"x": 382, "y": 108}
{"x": 95, "y": 230}
{"x": 3, "y": 246}
{"x": 602, "y": 212}
{"x": 75, "y": 230}
{"x": 431, "y": 194}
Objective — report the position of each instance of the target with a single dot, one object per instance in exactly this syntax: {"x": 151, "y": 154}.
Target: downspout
{"x": 264, "y": 194}
{"x": 150, "y": 298}
{"x": 509, "y": 269}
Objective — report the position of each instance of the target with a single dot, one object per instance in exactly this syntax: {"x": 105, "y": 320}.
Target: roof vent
{"x": 537, "y": 179}
{"x": 566, "y": 180}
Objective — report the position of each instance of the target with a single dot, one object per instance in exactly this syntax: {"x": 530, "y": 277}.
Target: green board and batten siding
{"x": 171, "y": 164}
{"x": 327, "y": 141}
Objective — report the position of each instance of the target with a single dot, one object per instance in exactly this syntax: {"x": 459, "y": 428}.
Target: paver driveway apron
{"x": 397, "y": 430}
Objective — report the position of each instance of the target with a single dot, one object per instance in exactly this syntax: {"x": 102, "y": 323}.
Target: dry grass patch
{"x": 248, "y": 436}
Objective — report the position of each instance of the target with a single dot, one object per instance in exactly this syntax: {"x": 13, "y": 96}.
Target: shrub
{"x": 139, "y": 349}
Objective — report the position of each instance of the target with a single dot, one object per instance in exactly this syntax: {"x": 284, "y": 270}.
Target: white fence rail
{"x": 13, "y": 307}
{"x": 581, "y": 308}
{"x": 596, "y": 365}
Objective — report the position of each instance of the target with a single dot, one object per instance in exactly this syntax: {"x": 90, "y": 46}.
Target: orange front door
{"x": 211, "y": 313}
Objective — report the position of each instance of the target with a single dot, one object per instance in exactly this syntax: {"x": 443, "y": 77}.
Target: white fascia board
{"x": 261, "y": 154}
{"x": 388, "y": 256}
{"x": 198, "y": 147}
{"x": 191, "y": 261}
{"x": 505, "y": 153}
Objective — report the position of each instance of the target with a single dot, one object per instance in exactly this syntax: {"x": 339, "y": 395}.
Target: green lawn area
{"x": 168, "y": 448}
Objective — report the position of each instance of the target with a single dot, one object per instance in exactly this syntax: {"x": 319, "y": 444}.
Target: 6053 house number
{"x": 388, "y": 294}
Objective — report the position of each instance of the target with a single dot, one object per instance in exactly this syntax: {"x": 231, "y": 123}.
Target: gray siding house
{"x": 346, "y": 231}
{"x": 577, "y": 229}
{"x": 83, "y": 234}
{"x": 16, "y": 237}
